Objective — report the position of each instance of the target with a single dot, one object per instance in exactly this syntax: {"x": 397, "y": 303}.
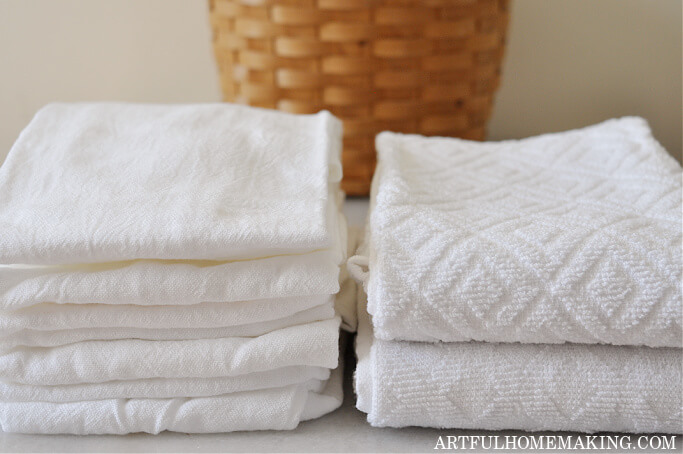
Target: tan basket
{"x": 420, "y": 66}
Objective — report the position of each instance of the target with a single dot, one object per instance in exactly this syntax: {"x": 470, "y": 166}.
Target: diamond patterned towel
{"x": 480, "y": 385}
{"x": 574, "y": 236}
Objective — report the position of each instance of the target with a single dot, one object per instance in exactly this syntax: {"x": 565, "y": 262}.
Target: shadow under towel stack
{"x": 531, "y": 284}
{"x": 169, "y": 268}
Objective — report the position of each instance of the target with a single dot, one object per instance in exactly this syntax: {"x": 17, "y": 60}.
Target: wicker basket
{"x": 421, "y": 66}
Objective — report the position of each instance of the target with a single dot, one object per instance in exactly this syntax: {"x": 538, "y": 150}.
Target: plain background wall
{"x": 569, "y": 63}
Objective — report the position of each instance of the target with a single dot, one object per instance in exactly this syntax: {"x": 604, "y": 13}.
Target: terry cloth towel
{"x": 202, "y": 182}
{"x": 479, "y": 385}
{"x": 313, "y": 344}
{"x": 267, "y": 409}
{"x": 567, "y": 237}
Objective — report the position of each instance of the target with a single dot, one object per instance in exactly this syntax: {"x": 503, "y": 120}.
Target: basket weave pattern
{"x": 419, "y": 66}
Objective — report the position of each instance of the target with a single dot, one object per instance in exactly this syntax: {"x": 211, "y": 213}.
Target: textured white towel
{"x": 160, "y": 388}
{"x": 574, "y": 236}
{"x": 275, "y": 408}
{"x": 212, "y": 181}
{"x": 479, "y": 385}
{"x": 313, "y": 344}
{"x": 57, "y": 337}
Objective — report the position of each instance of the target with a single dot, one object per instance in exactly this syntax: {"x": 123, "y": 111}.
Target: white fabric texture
{"x": 159, "y": 388}
{"x": 268, "y": 409}
{"x": 205, "y": 315}
{"x": 346, "y": 300}
{"x": 479, "y": 385}
{"x": 166, "y": 283}
{"x": 313, "y": 344}
{"x": 203, "y": 182}
{"x": 567, "y": 237}
{"x": 180, "y": 282}
{"x": 171, "y": 267}
{"x": 55, "y": 338}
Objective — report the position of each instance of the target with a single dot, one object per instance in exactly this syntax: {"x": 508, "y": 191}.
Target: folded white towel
{"x": 212, "y": 181}
{"x": 179, "y": 282}
{"x": 160, "y": 388}
{"x": 192, "y": 288}
{"x": 479, "y": 385}
{"x": 574, "y": 236}
{"x": 205, "y": 315}
{"x": 57, "y": 337}
{"x": 167, "y": 283}
{"x": 275, "y": 408}
{"x": 313, "y": 344}
{"x": 50, "y": 325}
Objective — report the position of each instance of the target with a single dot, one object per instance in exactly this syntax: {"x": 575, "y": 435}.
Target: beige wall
{"x": 74, "y": 50}
{"x": 569, "y": 62}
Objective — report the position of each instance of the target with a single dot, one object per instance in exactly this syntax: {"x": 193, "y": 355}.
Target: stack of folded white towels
{"x": 530, "y": 284}
{"x": 169, "y": 268}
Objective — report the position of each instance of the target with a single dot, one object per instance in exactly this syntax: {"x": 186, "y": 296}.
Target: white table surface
{"x": 344, "y": 430}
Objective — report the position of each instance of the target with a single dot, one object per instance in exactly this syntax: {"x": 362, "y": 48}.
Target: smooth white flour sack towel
{"x": 166, "y": 282}
{"x": 203, "y": 182}
{"x": 162, "y": 388}
{"x": 170, "y": 267}
{"x": 40, "y": 337}
{"x": 256, "y": 182}
{"x": 268, "y": 409}
{"x": 179, "y": 282}
{"x": 574, "y": 236}
{"x": 312, "y": 344}
{"x": 48, "y": 316}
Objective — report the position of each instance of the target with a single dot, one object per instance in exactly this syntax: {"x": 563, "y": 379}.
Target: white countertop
{"x": 344, "y": 430}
